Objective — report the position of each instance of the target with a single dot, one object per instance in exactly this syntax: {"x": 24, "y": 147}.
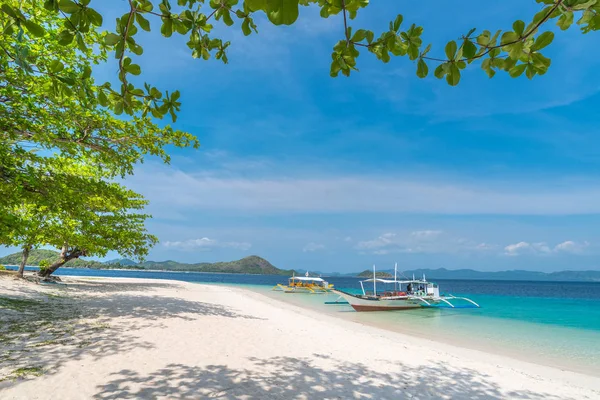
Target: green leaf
{"x": 51, "y": 5}
{"x": 68, "y": 6}
{"x": 540, "y": 61}
{"x": 517, "y": 70}
{"x": 515, "y": 50}
{"x": 256, "y": 5}
{"x": 413, "y": 52}
{"x": 67, "y": 79}
{"x": 34, "y": 29}
{"x": 453, "y": 75}
{"x": 451, "y": 50}
{"x": 55, "y": 66}
{"x": 142, "y": 22}
{"x": 102, "y": 99}
{"x": 509, "y": 37}
{"x": 469, "y": 49}
{"x": 484, "y": 38}
{"x": 359, "y": 35}
{"x": 530, "y": 71}
{"x": 398, "y": 22}
{"x": 486, "y": 66}
{"x": 10, "y": 11}
{"x": 422, "y": 69}
{"x": 565, "y": 20}
{"x": 133, "y": 69}
{"x": 519, "y": 27}
{"x": 282, "y": 12}
{"x": 227, "y": 17}
{"x": 80, "y": 42}
{"x": 246, "y": 27}
{"x": 167, "y": 28}
{"x": 87, "y": 72}
{"x": 542, "y": 41}
{"x": 439, "y": 71}
{"x": 94, "y": 16}
{"x": 65, "y": 38}
{"x": 111, "y": 39}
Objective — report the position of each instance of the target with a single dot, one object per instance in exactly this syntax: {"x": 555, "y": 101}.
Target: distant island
{"x": 514, "y": 275}
{"x": 247, "y": 265}
{"x": 379, "y": 274}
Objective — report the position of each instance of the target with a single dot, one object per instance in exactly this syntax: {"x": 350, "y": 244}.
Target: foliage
{"x": 59, "y": 149}
{"x": 516, "y": 51}
{"x": 44, "y": 264}
{"x": 2, "y": 267}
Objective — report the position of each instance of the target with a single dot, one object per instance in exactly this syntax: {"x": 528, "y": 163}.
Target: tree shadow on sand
{"x": 296, "y": 378}
{"x": 46, "y": 330}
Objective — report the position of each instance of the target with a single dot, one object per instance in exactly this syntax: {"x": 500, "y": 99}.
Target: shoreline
{"x": 187, "y": 340}
{"x": 466, "y": 343}
{"x": 457, "y": 349}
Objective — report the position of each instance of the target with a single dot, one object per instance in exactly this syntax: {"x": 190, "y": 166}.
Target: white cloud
{"x": 571, "y": 247}
{"x": 206, "y": 244}
{"x": 541, "y": 248}
{"x": 312, "y": 247}
{"x": 425, "y": 235}
{"x": 174, "y": 190}
{"x": 422, "y": 241}
{"x": 384, "y": 240}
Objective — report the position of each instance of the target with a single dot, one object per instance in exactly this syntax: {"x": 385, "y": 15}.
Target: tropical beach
{"x": 299, "y": 199}
{"x": 114, "y": 338}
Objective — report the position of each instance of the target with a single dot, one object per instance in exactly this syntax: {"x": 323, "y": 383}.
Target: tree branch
{"x": 345, "y": 22}
{"x": 524, "y": 37}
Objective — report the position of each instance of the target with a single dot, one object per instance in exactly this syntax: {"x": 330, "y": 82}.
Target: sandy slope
{"x": 172, "y": 340}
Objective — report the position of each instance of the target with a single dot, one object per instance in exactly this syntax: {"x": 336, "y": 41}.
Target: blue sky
{"x": 339, "y": 174}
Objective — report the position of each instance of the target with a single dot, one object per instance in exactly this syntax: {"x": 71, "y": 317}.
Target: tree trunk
{"x": 65, "y": 256}
{"x": 21, "y": 270}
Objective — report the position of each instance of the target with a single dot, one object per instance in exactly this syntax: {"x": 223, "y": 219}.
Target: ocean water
{"x": 553, "y": 323}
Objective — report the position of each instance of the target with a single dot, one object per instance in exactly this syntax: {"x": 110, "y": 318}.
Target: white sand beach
{"x": 153, "y": 339}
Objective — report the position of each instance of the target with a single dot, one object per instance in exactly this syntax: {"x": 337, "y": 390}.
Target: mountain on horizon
{"x": 512, "y": 275}
{"x": 247, "y": 265}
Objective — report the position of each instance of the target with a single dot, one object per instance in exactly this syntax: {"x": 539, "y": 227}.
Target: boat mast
{"x": 395, "y": 279}
{"x": 374, "y": 282}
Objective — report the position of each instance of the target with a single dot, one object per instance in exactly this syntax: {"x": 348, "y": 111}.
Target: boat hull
{"x": 378, "y": 304}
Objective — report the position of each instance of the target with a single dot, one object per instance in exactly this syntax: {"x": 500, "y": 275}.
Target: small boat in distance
{"x": 401, "y": 295}
{"x": 305, "y": 284}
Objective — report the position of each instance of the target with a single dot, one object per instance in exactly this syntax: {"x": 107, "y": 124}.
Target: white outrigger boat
{"x": 305, "y": 284}
{"x": 405, "y": 295}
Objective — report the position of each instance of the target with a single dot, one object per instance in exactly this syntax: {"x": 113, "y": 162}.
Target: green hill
{"x": 247, "y": 265}
{"x": 379, "y": 274}
{"x": 121, "y": 261}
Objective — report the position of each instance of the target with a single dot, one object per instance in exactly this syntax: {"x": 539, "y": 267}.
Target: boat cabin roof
{"x": 307, "y": 278}
{"x": 393, "y": 281}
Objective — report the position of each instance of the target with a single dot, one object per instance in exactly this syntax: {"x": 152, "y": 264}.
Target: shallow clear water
{"x": 552, "y": 323}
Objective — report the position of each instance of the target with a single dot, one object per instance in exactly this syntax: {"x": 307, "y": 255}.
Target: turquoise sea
{"x": 552, "y": 323}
